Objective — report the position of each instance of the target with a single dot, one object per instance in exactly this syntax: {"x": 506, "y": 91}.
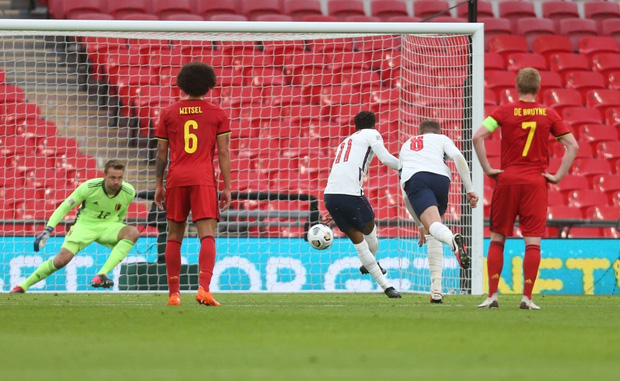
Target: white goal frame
{"x": 475, "y": 30}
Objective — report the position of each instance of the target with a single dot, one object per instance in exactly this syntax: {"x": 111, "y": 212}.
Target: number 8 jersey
{"x": 191, "y": 128}
{"x": 426, "y": 153}
{"x": 353, "y": 157}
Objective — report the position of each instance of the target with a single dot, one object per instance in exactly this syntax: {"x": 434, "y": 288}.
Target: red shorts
{"x": 527, "y": 201}
{"x": 200, "y": 199}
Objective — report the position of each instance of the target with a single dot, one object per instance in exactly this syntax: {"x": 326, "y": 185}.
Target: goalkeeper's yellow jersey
{"x": 96, "y": 206}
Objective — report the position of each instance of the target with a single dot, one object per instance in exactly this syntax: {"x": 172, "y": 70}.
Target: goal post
{"x": 75, "y": 93}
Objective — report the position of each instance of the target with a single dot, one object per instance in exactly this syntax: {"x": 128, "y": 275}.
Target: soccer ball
{"x": 320, "y": 236}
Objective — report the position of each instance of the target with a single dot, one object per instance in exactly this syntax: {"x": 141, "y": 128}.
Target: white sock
{"x": 373, "y": 242}
{"x": 368, "y": 260}
{"x": 435, "y": 257}
{"x": 441, "y": 233}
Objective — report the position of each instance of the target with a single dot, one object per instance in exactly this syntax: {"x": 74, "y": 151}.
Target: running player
{"x": 344, "y": 196}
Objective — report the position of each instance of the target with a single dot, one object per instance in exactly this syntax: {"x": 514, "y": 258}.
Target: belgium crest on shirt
{"x": 117, "y": 207}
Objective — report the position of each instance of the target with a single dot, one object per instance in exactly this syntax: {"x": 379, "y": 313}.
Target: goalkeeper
{"x": 103, "y": 206}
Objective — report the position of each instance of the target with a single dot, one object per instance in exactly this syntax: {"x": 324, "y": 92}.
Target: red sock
{"x": 530, "y": 268}
{"x": 206, "y": 261}
{"x": 173, "y": 265}
{"x": 495, "y": 263}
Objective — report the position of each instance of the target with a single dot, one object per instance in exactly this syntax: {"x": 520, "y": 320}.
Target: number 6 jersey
{"x": 191, "y": 128}
{"x": 353, "y": 157}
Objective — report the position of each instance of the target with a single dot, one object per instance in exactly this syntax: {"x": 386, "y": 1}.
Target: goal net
{"x": 74, "y": 94}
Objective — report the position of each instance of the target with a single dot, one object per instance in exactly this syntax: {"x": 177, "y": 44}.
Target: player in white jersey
{"x": 425, "y": 179}
{"x": 344, "y": 195}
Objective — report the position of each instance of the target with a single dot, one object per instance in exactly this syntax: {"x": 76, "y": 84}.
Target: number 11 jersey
{"x": 191, "y": 128}
{"x": 353, "y": 157}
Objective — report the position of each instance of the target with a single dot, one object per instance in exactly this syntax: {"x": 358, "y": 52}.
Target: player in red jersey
{"x": 192, "y": 129}
{"x": 521, "y": 183}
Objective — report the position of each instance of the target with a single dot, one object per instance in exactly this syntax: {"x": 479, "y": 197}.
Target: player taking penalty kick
{"x": 103, "y": 206}
{"x": 192, "y": 129}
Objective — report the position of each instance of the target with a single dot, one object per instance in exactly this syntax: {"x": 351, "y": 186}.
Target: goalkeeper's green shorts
{"x": 82, "y": 235}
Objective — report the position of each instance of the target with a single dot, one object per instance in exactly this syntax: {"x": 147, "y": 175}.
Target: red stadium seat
{"x": 94, "y": 16}
{"x": 518, "y": 61}
{"x": 597, "y": 44}
{"x": 320, "y": 18}
{"x": 403, "y": 19}
{"x": 119, "y": 8}
{"x": 577, "y": 116}
{"x": 584, "y": 81}
{"x": 300, "y": 8}
{"x": 596, "y": 133}
{"x": 507, "y": 44}
{"x": 570, "y": 183}
{"x": 358, "y": 18}
{"x": 576, "y": 29}
{"x": 499, "y": 80}
{"x": 508, "y": 95}
{"x": 584, "y": 199}
{"x": 563, "y": 63}
{"x": 600, "y": 11}
{"x": 16, "y": 113}
{"x": 532, "y": 27}
{"x": 559, "y": 10}
{"x": 253, "y": 8}
{"x": 344, "y": 8}
{"x": 384, "y": 9}
{"x": 182, "y": 17}
{"x": 428, "y": 8}
{"x": 590, "y": 168}
{"x": 612, "y": 117}
{"x": 495, "y": 26}
{"x": 607, "y": 183}
{"x": 494, "y": 61}
{"x": 603, "y": 213}
{"x": 164, "y": 8}
{"x": 603, "y": 99}
{"x": 274, "y": 17}
{"x": 613, "y": 80}
{"x": 563, "y": 212}
{"x": 611, "y": 27}
{"x": 485, "y": 9}
{"x": 73, "y": 8}
{"x": 559, "y": 99}
{"x": 606, "y": 63}
{"x": 548, "y": 45}
{"x": 490, "y": 98}
{"x": 514, "y": 10}
{"x": 10, "y": 94}
{"x": 216, "y": 7}
{"x": 609, "y": 150}
{"x": 138, "y": 16}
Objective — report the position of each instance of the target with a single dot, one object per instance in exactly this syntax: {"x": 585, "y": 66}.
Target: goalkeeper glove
{"x": 42, "y": 238}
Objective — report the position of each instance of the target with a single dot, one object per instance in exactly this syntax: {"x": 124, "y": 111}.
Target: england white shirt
{"x": 353, "y": 157}
{"x": 426, "y": 153}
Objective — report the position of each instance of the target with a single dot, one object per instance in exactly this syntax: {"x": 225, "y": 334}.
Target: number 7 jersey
{"x": 525, "y": 128}
{"x": 191, "y": 128}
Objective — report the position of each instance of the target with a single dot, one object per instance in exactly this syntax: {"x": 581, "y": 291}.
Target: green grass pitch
{"x": 306, "y": 337}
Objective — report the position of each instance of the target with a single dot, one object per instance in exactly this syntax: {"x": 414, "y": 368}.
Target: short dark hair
{"x": 196, "y": 79}
{"x": 431, "y": 126}
{"x": 364, "y": 120}
{"x": 116, "y": 164}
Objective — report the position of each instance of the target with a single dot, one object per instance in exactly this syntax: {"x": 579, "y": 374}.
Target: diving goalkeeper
{"x": 103, "y": 206}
